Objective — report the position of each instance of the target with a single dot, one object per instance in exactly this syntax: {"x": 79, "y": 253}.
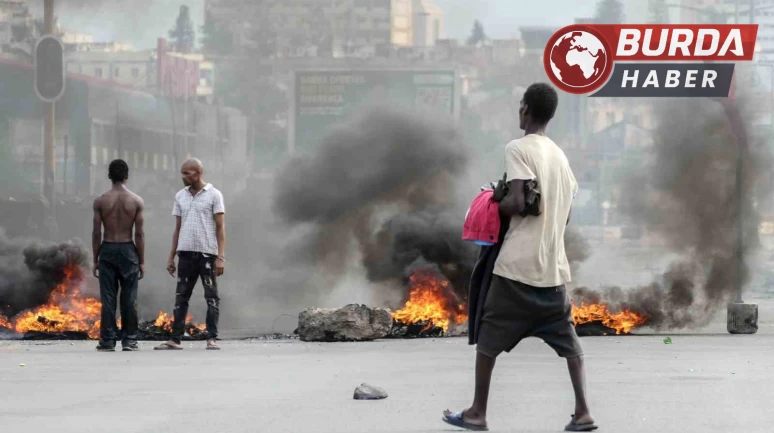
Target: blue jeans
{"x": 119, "y": 265}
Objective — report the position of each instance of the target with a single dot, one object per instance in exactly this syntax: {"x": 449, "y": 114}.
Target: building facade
{"x": 98, "y": 121}
{"x": 182, "y": 75}
{"x": 131, "y": 68}
{"x": 340, "y": 28}
{"x": 18, "y": 29}
{"x": 428, "y": 23}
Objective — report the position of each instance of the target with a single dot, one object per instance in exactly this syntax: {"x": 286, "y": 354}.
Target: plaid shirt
{"x": 197, "y": 228}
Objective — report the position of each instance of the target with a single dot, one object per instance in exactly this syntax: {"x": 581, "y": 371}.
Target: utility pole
{"x": 741, "y": 150}
{"x": 49, "y": 153}
{"x": 66, "y": 157}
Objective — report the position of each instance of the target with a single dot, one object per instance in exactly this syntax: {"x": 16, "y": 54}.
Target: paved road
{"x": 700, "y": 383}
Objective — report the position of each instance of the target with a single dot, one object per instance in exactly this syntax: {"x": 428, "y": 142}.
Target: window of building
{"x": 400, "y": 22}
{"x": 117, "y": 72}
{"x": 155, "y": 161}
{"x": 126, "y": 157}
{"x": 145, "y": 160}
{"x": 93, "y": 155}
{"x": 400, "y": 38}
{"x": 164, "y": 166}
{"x": 135, "y": 72}
{"x": 105, "y": 155}
{"x": 98, "y": 72}
{"x": 136, "y": 160}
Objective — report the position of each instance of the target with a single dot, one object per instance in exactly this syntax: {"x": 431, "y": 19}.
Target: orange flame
{"x": 165, "y": 321}
{"x": 623, "y": 321}
{"x": 431, "y": 300}
{"x": 4, "y": 322}
{"x": 68, "y": 310}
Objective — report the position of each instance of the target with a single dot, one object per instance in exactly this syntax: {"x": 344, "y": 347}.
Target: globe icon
{"x": 578, "y": 59}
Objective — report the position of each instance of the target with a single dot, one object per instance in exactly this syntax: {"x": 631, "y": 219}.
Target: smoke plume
{"x": 383, "y": 187}
{"x": 29, "y": 271}
{"x": 686, "y": 194}
{"x": 576, "y": 247}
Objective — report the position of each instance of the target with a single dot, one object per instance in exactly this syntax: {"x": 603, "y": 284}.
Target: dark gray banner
{"x": 654, "y": 80}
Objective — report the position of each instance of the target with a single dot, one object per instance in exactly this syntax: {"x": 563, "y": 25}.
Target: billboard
{"x": 321, "y": 98}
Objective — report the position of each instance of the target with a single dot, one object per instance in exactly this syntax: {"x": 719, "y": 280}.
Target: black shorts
{"x": 514, "y": 311}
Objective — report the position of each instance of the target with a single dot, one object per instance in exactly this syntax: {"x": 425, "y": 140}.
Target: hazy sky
{"x": 140, "y": 22}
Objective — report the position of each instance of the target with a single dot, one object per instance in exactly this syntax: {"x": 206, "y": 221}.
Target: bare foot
{"x": 584, "y": 422}
{"x": 583, "y": 419}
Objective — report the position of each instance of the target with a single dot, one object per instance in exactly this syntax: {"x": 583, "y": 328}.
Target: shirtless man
{"x": 118, "y": 260}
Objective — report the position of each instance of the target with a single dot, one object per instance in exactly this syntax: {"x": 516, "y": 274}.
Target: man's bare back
{"x": 118, "y": 209}
{"x": 119, "y": 263}
{"x": 120, "y": 212}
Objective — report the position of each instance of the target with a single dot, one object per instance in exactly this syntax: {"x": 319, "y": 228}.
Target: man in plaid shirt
{"x": 199, "y": 242}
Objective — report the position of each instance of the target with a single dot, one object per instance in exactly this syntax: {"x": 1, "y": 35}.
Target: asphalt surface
{"x": 708, "y": 382}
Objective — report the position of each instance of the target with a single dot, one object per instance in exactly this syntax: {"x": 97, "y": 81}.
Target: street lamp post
{"x": 741, "y": 318}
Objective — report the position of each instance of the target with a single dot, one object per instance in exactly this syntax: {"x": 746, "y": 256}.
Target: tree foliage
{"x": 477, "y": 35}
{"x": 214, "y": 38}
{"x": 182, "y": 34}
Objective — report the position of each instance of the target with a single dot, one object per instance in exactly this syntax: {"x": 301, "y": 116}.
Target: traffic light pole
{"x": 49, "y": 152}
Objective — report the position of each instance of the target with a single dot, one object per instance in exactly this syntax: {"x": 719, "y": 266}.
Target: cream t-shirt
{"x": 533, "y": 249}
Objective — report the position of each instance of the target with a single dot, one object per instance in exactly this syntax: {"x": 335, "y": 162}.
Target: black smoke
{"x": 388, "y": 188}
{"x": 30, "y": 270}
{"x": 686, "y": 193}
{"x": 576, "y": 247}
{"x": 383, "y": 187}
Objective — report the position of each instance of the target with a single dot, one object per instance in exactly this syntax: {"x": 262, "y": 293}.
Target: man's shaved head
{"x": 192, "y": 171}
{"x": 194, "y": 163}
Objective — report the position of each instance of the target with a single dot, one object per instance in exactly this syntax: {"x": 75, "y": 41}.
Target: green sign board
{"x": 323, "y": 98}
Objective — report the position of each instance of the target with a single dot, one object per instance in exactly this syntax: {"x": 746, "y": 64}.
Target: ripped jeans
{"x": 191, "y": 266}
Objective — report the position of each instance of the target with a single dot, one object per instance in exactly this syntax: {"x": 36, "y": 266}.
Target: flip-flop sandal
{"x": 455, "y": 419}
{"x": 572, "y": 426}
{"x": 167, "y": 346}
{"x": 212, "y": 346}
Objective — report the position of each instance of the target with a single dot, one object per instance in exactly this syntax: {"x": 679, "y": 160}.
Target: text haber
{"x": 670, "y": 79}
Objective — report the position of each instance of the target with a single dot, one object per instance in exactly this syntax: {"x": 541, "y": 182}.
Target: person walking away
{"x": 527, "y": 295}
